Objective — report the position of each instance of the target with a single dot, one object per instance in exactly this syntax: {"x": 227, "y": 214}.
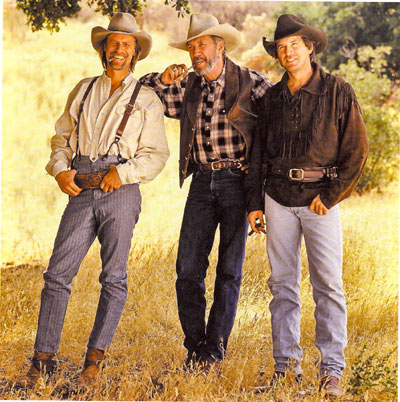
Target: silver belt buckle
{"x": 212, "y": 166}
{"x": 296, "y": 178}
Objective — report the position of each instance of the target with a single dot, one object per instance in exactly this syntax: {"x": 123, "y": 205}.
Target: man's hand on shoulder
{"x": 66, "y": 182}
{"x": 318, "y": 206}
{"x": 111, "y": 180}
{"x": 174, "y": 73}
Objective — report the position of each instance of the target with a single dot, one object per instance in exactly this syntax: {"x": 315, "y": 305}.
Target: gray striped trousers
{"x": 111, "y": 217}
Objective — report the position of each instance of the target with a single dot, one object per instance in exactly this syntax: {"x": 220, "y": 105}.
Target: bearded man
{"x": 109, "y": 139}
{"x": 215, "y": 106}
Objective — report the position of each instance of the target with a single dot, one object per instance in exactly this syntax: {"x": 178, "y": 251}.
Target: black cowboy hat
{"x": 290, "y": 25}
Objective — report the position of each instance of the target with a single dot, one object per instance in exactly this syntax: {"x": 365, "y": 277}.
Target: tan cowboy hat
{"x": 124, "y": 23}
{"x": 207, "y": 24}
{"x": 290, "y": 25}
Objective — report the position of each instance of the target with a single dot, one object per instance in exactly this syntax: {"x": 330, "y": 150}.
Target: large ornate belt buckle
{"x": 94, "y": 180}
{"x": 296, "y": 174}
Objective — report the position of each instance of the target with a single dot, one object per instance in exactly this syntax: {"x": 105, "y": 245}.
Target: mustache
{"x": 198, "y": 60}
{"x": 112, "y": 57}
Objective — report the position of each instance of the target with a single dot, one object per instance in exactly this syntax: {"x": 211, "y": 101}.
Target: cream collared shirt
{"x": 143, "y": 142}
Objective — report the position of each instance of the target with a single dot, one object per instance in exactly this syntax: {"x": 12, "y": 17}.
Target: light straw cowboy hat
{"x": 290, "y": 25}
{"x": 206, "y": 24}
{"x": 124, "y": 23}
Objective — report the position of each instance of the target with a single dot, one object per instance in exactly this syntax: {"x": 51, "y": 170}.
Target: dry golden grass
{"x": 145, "y": 361}
{"x": 146, "y": 357}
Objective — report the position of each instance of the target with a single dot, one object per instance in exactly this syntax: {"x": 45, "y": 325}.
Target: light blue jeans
{"x": 323, "y": 240}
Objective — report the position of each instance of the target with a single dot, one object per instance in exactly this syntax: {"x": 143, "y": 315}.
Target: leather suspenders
{"x": 121, "y": 126}
{"x": 85, "y": 95}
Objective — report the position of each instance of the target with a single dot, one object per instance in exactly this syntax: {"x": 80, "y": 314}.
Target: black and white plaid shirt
{"x": 215, "y": 138}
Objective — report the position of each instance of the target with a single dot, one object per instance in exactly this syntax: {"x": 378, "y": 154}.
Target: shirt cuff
{"x": 123, "y": 173}
{"x": 57, "y": 168}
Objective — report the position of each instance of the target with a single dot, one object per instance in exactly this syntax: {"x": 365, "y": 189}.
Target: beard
{"x": 210, "y": 64}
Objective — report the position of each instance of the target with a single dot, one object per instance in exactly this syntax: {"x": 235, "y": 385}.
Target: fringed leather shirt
{"x": 320, "y": 125}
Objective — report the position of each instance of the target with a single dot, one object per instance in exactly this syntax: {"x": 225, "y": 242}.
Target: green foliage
{"x": 374, "y": 91}
{"x": 110, "y": 7}
{"x": 351, "y": 26}
{"x": 48, "y": 14}
{"x": 181, "y": 6}
{"x": 372, "y": 372}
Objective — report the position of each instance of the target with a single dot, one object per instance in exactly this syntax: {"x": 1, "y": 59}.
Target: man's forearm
{"x": 153, "y": 80}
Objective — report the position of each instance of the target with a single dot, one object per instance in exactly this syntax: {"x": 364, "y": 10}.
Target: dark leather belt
{"x": 89, "y": 180}
{"x": 219, "y": 165}
{"x": 308, "y": 175}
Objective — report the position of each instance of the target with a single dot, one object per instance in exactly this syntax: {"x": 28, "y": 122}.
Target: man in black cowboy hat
{"x": 310, "y": 150}
{"x": 217, "y": 115}
{"x": 115, "y": 129}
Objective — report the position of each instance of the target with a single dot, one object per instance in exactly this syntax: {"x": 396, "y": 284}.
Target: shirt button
{"x": 208, "y": 143}
{"x": 207, "y": 127}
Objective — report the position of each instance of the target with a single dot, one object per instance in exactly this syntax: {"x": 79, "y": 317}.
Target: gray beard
{"x": 210, "y": 65}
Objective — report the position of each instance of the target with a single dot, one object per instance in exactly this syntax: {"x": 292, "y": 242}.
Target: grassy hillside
{"x": 146, "y": 357}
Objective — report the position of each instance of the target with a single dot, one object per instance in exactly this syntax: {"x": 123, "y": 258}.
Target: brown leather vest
{"x": 238, "y": 103}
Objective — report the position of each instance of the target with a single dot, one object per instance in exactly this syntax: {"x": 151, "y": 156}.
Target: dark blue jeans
{"x": 215, "y": 197}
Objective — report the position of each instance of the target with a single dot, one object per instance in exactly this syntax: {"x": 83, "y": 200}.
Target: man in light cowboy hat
{"x": 116, "y": 148}
{"x": 313, "y": 143}
{"x": 215, "y": 105}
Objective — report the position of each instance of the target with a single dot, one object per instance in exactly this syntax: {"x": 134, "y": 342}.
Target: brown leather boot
{"x": 42, "y": 364}
{"x": 91, "y": 368}
{"x": 330, "y": 385}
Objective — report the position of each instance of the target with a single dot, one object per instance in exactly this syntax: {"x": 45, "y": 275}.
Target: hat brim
{"x": 228, "y": 33}
{"x": 314, "y": 34}
{"x": 144, "y": 40}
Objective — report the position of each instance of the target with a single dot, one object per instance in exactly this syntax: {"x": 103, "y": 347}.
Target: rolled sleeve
{"x": 153, "y": 80}
{"x": 170, "y": 95}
